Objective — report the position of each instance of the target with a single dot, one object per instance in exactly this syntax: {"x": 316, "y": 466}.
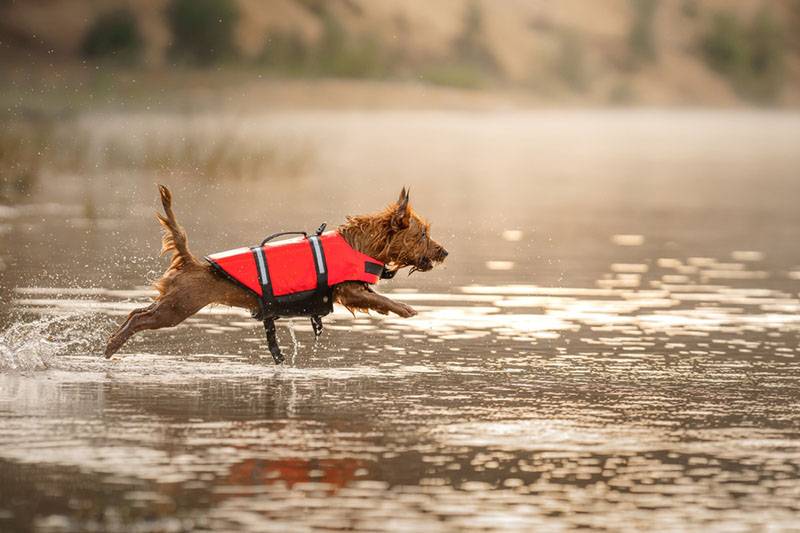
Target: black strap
{"x": 262, "y": 270}
{"x": 378, "y": 269}
{"x": 267, "y": 301}
{"x": 373, "y": 268}
{"x": 320, "y": 264}
{"x": 272, "y": 341}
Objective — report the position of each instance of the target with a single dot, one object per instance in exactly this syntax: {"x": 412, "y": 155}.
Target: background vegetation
{"x": 114, "y": 35}
{"x": 202, "y": 30}
{"x": 751, "y": 55}
{"x": 610, "y": 51}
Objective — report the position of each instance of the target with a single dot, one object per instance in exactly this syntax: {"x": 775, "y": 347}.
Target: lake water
{"x": 613, "y": 343}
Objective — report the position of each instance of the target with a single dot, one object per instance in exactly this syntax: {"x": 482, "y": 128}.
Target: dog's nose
{"x": 444, "y": 253}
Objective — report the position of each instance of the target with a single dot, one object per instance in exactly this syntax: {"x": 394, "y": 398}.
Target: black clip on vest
{"x": 267, "y": 302}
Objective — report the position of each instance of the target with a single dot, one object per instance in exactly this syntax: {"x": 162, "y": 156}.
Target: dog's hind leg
{"x": 170, "y": 310}
{"x": 132, "y": 314}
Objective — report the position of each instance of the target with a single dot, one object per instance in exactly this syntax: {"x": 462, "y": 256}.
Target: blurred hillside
{"x": 659, "y": 52}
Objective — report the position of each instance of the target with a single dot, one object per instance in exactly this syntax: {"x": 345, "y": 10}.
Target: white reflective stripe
{"x": 262, "y": 267}
{"x": 318, "y": 250}
{"x": 229, "y": 253}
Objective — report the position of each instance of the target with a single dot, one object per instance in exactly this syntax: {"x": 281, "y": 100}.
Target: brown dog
{"x": 396, "y": 236}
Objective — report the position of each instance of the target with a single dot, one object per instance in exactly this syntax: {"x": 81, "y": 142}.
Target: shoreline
{"x": 38, "y": 93}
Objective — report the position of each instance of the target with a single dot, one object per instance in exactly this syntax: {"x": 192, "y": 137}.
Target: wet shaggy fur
{"x": 396, "y": 236}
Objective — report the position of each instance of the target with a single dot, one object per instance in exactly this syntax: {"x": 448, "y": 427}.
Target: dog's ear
{"x": 403, "y": 196}
{"x": 402, "y": 212}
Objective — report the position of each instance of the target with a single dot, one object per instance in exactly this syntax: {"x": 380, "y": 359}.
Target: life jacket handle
{"x": 281, "y": 234}
{"x": 303, "y": 233}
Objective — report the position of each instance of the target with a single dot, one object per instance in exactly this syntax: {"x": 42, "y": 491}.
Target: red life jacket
{"x": 295, "y": 277}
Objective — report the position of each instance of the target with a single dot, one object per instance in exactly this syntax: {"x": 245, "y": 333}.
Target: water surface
{"x": 612, "y": 344}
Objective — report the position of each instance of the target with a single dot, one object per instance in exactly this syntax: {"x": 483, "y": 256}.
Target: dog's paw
{"x": 112, "y": 347}
{"x": 405, "y": 311}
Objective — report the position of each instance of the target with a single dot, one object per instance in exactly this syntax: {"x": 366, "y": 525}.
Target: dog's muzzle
{"x": 425, "y": 265}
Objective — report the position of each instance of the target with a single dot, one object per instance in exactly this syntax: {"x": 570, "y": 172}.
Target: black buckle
{"x": 316, "y": 325}
{"x": 388, "y": 274}
{"x": 321, "y": 228}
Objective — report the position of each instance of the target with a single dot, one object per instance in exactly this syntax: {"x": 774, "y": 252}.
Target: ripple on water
{"x": 514, "y": 407}
{"x": 550, "y": 435}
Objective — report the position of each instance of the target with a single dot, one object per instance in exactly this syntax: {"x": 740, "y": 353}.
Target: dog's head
{"x": 409, "y": 241}
{"x": 396, "y": 236}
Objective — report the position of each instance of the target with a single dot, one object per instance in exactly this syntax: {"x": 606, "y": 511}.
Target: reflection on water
{"x": 508, "y": 406}
{"x": 568, "y": 368}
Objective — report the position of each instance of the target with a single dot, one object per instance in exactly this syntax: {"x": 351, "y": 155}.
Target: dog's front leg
{"x": 356, "y": 295}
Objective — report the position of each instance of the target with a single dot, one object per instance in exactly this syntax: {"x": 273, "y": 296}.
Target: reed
{"x": 31, "y": 151}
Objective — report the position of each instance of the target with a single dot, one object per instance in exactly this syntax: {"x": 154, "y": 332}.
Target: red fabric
{"x": 345, "y": 263}
{"x": 240, "y": 265}
{"x": 290, "y": 264}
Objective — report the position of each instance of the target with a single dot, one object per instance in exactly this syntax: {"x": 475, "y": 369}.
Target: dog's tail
{"x": 173, "y": 237}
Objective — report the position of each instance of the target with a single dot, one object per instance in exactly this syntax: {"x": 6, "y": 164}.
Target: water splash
{"x": 295, "y": 344}
{"x": 36, "y": 344}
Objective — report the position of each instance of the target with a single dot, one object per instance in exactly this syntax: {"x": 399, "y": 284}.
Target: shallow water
{"x": 612, "y": 344}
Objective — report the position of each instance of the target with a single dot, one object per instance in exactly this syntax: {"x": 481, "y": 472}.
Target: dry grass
{"x": 30, "y": 151}
{"x": 222, "y": 157}
{"x": 19, "y": 160}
